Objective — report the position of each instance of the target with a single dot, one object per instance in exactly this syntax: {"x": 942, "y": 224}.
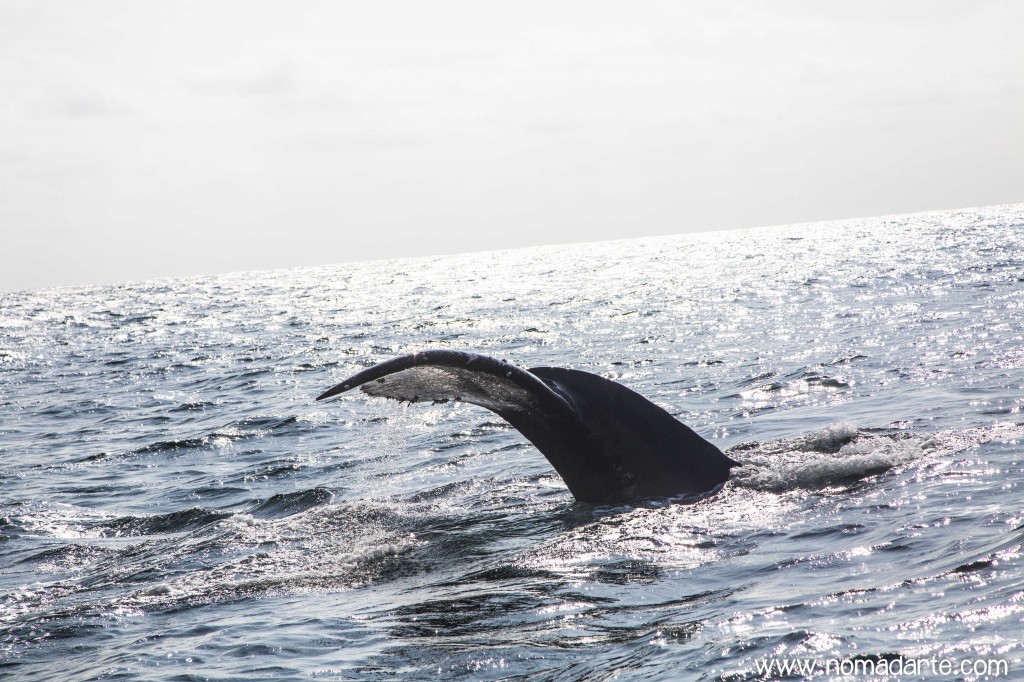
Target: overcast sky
{"x": 149, "y": 139}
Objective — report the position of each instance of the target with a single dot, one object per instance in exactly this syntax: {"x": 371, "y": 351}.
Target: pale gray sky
{"x": 148, "y": 139}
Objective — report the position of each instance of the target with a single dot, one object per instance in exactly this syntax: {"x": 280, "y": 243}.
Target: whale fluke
{"x": 609, "y": 444}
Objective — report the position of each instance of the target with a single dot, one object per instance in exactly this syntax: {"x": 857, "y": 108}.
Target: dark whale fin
{"x": 607, "y": 443}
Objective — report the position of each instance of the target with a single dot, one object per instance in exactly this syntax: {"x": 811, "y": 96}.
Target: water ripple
{"x": 177, "y": 506}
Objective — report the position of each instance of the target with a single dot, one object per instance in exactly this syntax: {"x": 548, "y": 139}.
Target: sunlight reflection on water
{"x": 173, "y": 495}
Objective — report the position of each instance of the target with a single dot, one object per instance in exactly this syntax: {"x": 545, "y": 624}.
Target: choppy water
{"x": 175, "y": 506}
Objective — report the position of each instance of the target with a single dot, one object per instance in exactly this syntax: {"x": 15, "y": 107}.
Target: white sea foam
{"x": 840, "y": 454}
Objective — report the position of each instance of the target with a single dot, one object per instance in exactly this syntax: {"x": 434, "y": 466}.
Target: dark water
{"x": 175, "y": 506}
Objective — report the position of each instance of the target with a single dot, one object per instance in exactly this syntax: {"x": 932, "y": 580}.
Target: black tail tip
{"x": 333, "y": 391}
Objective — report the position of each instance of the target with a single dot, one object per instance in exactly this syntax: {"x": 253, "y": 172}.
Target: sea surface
{"x": 174, "y": 505}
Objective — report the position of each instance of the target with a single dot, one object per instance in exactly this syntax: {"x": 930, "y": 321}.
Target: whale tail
{"x": 608, "y": 443}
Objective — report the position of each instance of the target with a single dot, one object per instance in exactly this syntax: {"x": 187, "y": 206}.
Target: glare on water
{"x": 175, "y": 503}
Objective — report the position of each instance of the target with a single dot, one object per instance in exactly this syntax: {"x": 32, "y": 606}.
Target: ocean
{"x": 176, "y": 506}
